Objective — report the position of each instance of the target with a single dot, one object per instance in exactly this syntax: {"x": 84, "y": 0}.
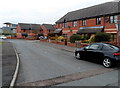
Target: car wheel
{"x": 78, "y": 56}
{"x": 107, "y": 63}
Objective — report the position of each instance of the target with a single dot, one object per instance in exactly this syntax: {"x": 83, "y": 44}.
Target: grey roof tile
{"x": 30, "y": 26}
{"x": 49, "y": 27}
{"x": 93, "y": 11}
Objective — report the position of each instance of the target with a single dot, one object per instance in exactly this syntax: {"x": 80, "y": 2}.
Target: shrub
{"x": 51, "y": 35}
{"x": 86, "y": 37}
{"x": 75, "y": 37}
{"x": 40, "y": 34}
{"x": 102, "y": 37}
{"x": 91, "y": 40}
{"x": 60, "y": 38}
{"x": 53, "y": 38}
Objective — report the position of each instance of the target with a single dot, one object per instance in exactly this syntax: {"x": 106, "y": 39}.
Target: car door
{"x": 93, "y": 51}
{"x": 85, "y": 53}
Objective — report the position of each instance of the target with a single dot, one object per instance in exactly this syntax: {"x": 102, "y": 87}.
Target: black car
{"x": 108, "y": 54}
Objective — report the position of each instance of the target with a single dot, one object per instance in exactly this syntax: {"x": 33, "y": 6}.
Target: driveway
{"x": 40, "y": 61}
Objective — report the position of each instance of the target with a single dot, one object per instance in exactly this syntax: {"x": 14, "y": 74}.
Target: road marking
{"x": 68, "y": 78}
{"x": 16, "y": 70}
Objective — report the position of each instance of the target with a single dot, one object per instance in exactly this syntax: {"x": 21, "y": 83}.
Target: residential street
{"x": 42, "y": 61}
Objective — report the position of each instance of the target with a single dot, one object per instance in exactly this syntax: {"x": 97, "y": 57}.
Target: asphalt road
{"x": 40, "y": 61}
{"x": 8, "y": 63}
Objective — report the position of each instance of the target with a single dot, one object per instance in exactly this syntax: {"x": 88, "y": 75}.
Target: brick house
{"x": 25, "y": 30}
{"x": 48, "y": 28}
{"x": 91, "y": 20}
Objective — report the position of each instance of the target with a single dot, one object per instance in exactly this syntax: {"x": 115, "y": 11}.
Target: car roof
{"x": 106, "y": 44}
{"x": 99, "y": 43}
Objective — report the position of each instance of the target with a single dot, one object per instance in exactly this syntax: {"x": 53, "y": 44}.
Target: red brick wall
{"x": 29, "y": 32}
{"x": 18, "y": 32}
{"x": 90, "y": 23}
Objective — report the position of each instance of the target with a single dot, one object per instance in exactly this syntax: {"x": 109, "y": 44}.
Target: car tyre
{"x": 107, "y": 63}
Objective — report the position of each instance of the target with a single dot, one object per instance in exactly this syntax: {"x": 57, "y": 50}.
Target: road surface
{"x": 39, "y": 61}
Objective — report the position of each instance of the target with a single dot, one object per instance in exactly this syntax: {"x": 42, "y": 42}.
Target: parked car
{"x": 3, "y": 37}
{"x": 108, "y": 54}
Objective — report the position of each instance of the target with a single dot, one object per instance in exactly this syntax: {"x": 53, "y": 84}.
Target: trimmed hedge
{"x": 102, "y": 37}
{"x": 75, "y": 37}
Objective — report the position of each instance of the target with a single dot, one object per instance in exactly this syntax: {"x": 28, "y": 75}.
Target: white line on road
{"x": 16, "y": 70}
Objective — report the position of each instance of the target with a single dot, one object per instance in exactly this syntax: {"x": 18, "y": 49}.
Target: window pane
{"x": 98, "y": 20}
{"x": 111, "y": 19}
{"x": 83, "y": 22}
{"x": 75, "y": 23}
{"x": 115, "y": 18}
{"x": 66, "y": 25}
{"x": 94, "y": 47}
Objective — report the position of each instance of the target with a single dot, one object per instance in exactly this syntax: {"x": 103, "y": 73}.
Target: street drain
{"x": 67, "y": 78}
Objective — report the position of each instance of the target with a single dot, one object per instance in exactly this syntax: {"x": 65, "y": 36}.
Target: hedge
{"x": 75, "y": 37}
{"x": 102, "y": 37}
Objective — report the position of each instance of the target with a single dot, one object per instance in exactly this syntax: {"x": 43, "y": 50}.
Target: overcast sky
{"x": 40, "y": 11}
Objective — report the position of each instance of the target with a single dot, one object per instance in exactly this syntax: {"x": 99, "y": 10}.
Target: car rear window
{"x": 110, "y": 47}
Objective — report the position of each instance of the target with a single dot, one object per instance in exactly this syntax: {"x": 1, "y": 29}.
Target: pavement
{"x": 8, "y": 63}
{"x": 62, "y": 47}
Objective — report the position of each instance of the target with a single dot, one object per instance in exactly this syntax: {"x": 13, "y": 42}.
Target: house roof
{"x": 26, "y": 26}
{"x": 108, "y": 8}
{"x": 49, "y": 26}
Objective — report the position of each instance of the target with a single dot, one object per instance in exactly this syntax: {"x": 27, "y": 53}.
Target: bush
{"x": 51, "y": 35}
{"x": 86, "y": 37}
{"x": 60, "y": 38}
{"x": 40, "y": 34}
{"x": 53, "y": 38}
{"x": 75, "y": 37}
{"x": 102, "y": 37}
{"x": 91, "y": 40}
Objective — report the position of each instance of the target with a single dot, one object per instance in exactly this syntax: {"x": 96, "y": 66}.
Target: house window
{"x": 65, "y": 25}
{"x": 106, "y": 19}
{"x": 113, "y": 37}
{"x": 58, "y": 25}
{"x": 83, "y": 22}
{"x": 98, "y": 20}
{"x": 113, "y": 19}
{"x": 75, "y": 24}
